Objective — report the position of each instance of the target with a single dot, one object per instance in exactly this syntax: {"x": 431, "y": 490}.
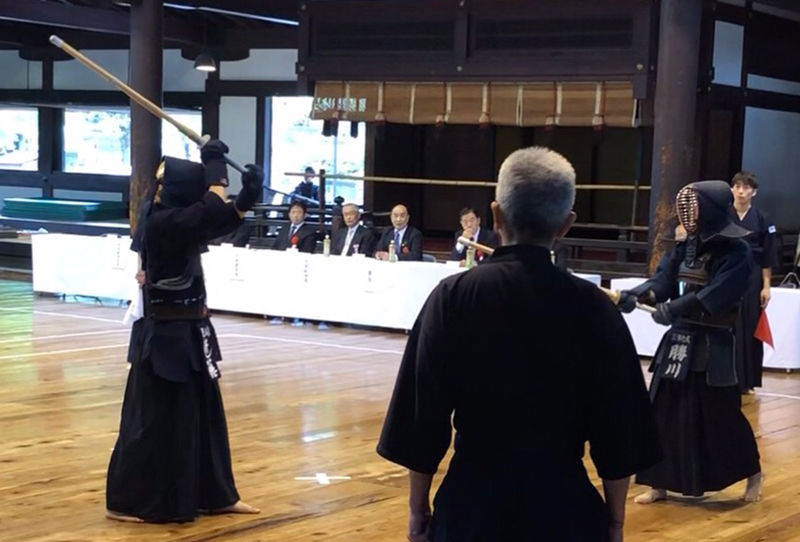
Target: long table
{"x": 354, "y": 290}
{"x": 783, "y": 313}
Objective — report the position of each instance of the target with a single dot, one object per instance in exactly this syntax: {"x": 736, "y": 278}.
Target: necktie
{"x": 396, "y": 242}
{"x": 350, "y": 234}
{"x": 292, "y": 231}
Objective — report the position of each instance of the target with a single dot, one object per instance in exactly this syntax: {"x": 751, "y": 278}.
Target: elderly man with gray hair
{"x": 354, "y": 238}
{"x": 527, "y": 363}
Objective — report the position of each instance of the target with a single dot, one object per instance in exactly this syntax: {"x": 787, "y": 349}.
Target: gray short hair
{"x": 536, "y": 192}
{"x": 353, "y": 205}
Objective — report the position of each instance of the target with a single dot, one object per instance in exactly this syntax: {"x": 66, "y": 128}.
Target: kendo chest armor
{"x": 178, "y": 298}
{"x": 693, "y": 276}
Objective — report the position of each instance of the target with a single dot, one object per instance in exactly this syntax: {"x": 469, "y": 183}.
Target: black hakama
{"x": 710, "y": 443}
{"x": 172, "y": 457}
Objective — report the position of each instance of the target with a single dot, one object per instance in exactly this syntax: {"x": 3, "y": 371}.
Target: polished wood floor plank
{"x": 299, "y": 402}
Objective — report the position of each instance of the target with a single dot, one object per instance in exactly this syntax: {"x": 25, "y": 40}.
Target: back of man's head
{"x": 536, "y": 193}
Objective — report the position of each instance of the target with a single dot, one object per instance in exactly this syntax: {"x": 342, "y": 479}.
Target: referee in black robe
{"x": 529, "y": 364}
{"x": 172, "y": 459}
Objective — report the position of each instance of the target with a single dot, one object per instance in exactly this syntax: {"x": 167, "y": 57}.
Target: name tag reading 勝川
{"x": 677, "y": 355}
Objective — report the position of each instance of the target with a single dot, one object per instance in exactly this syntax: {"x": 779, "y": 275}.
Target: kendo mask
{"x": 704, "y": 211}
{"x": 183, "y": 183}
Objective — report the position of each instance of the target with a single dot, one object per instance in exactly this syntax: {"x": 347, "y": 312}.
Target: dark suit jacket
{"x": 485, "y": 237}
{"x": 410, "y": 247}
{"x": 364, "y": 238}
{"x": 306, "y": 235}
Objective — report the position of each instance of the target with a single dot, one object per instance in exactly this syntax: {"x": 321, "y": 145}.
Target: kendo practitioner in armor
{"x": 172, "y": 459}
{"x": 697, "y": 290}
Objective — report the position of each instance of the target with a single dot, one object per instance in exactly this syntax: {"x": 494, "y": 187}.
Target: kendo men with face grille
{"x": 172, "y": 460}
{"x": 697, "y": 290}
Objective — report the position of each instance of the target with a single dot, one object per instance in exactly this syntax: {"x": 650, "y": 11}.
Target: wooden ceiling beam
{"x": 285, "y": 12}
{"x": 104, "y": 21}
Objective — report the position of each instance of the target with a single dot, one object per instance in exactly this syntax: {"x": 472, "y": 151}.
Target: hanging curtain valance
{"x": 526, "y": 104}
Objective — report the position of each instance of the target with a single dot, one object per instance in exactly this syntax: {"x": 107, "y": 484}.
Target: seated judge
{"x": 471, "y": 229}
{"x": 354, "y": 238}
{"x": 297, "y": 234}
{"x": 407, "y": 239}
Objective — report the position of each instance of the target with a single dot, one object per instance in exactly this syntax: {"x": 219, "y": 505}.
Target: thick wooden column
{"x": 675, "y": 110}
{"x": 146, "y": 75}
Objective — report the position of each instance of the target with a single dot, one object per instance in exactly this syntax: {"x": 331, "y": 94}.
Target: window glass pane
{"x": 297, "y": 142}
{"x": 19, "y": 139}
{"x": 174, "y": 143}
{"x": 98, "y": 141}
{"x": 728, "y": 46}
{"x": 771, "y": 84}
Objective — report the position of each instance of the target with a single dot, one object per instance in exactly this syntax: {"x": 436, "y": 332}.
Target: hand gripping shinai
{"x": 135, "y": 96}
{"x": 614, "y": 295}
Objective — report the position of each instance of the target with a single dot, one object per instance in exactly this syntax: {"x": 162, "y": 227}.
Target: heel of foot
{"x": 651, "y": 496}
{"x": 755, "y": 485}
{"x": 116, "y": 516}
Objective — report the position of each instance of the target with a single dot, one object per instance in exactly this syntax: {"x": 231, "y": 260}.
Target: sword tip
{"x": 55, "y": 40}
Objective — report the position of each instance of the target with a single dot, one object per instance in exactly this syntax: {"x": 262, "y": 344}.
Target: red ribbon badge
{"x": 295, "y": 240}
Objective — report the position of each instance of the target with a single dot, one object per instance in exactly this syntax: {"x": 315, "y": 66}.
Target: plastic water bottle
{"x": 392, "y": 253}
{"x": 326, "y": 246}
{"x": 470, "y": 263}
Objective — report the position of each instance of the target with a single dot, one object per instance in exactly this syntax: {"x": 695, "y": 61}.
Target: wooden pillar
{"x": 146, "y": 75}
{"x": 675, "y": 109}
{"x": 51, "y": 133}
{"x": 211, "y": 101}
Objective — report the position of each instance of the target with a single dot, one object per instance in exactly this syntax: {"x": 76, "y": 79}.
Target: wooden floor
{"x": 299, "y": 402}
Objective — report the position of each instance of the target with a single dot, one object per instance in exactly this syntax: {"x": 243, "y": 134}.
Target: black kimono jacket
{"x": 530, "y": 363}
{"x": 762, "y": 238}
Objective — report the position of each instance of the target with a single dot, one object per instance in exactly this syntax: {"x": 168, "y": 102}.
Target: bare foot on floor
{"x": 651, "y": 496}
{"x": 752, "y": 492}
{"x": 116, "y": 516}
{"x": 238, "y": 508}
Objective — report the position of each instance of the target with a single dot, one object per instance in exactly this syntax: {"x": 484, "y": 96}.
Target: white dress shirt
{"x": 351, "y": 233}
{"x": 460, "y": 247}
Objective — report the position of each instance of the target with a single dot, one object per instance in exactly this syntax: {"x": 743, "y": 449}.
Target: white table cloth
{"x": 353, "y": 290}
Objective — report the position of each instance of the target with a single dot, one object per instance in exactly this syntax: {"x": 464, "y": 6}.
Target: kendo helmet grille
{"x": 688, "y": 208}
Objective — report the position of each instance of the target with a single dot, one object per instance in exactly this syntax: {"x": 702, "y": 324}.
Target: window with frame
{"x": 19, "y": 139}
{"x": 297, "y": 143}
{"x": 99, "y": 141}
